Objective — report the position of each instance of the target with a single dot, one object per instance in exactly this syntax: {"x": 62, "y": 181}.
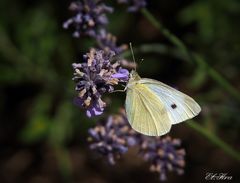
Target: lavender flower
{"x": 94, "y": 77}
{"x": 164, "y": 155}
{"x": 134, "y": 5}
{"x": 89, "y": 16}
{"x": 113, "y": 138}
{"x": 108, "y": 41}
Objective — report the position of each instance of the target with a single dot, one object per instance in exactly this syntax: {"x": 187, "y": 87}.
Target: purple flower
{"x": 94, "y": 77}
{"x": 134, "y": 5}
{"x": 89, "y": 17}
{"x": 108, "y": 41}
{"x": 95, "y": 109}
{"x": 164, "y": 154}
{"x": 122, "y": 74}
{"x": 113, "y": 138}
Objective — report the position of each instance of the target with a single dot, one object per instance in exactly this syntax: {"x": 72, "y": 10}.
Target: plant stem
{"x": 217, "y": 77}
{"x": 214, "y": 139}
{"x": 191, "y": 56}
{"x": 172, "y": 38}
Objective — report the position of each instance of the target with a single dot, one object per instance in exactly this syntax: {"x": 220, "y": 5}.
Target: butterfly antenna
{"x": 130, "y": 44}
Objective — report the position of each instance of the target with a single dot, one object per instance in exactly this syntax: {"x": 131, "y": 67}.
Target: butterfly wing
{"x": 179, "y": 106}
{"x": 145, "y": 112}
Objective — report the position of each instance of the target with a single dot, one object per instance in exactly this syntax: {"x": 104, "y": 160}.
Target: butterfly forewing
{"x": 179, "y": 106}
{"x": 146, "y": 113}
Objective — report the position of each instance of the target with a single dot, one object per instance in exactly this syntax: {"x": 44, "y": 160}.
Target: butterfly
{"x": 152, "y": 107}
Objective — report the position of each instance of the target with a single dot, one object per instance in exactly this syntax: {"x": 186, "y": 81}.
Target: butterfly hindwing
{"x": 179, "y": 106}
{"x": 146, "y": 112}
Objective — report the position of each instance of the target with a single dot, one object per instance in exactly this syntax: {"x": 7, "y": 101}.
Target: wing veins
{"x": 148, "y": 111}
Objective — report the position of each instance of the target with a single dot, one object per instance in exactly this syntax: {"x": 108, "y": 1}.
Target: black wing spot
{"x": 174, "y": 106}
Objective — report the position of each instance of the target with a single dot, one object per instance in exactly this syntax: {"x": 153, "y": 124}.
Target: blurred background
{"x": 43, "y": 134}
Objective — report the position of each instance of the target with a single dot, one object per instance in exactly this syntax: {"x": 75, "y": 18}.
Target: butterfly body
{"x": 152, "y": 106}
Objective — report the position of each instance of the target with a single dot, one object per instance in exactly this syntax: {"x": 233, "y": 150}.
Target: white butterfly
{"x": 152, "y": 106}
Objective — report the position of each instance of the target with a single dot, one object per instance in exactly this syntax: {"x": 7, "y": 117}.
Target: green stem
{"x": 191, "y": 56}
{"x": 172, "y": 38}
{"x": 215, "y": 139}
{"x": 155, "y": 48}
{"x": 217, "y": 77}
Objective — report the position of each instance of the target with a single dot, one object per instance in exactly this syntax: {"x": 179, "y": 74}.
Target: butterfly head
{"x": 134, "y": 76}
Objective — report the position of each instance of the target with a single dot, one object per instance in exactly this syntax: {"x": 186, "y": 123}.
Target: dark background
{"x": 43, "y": 135}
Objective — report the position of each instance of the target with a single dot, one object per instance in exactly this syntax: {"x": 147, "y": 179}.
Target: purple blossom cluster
{"x": 164, "y": 154}
{"x": 107, "y": 41}
{"x": 89, "y": 17}
{"x": 114, "y": 137}
{"x": 95, "y": 76}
